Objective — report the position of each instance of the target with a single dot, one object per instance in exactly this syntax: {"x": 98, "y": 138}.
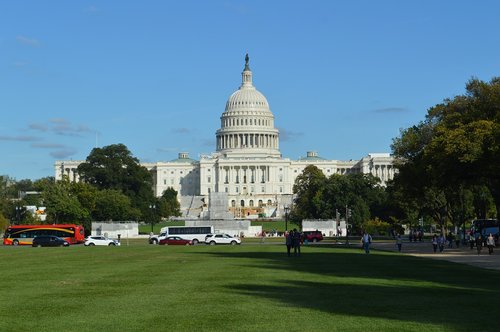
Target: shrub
{"x": 376, "y": 227}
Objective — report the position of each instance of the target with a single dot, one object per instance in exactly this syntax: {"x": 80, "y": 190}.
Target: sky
{"x": 341, "y": 77}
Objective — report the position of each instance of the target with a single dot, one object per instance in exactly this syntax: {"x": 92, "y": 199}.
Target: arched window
{"x": 250, "y": 203}
{"x": 233, "y": 203}
{"x": 242, "y": 203}
{"x": 269, "y": 202}
{"x": 260, "y": 203}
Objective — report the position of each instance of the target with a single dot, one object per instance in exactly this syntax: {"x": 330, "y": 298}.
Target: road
{"x": 462, "y": 254}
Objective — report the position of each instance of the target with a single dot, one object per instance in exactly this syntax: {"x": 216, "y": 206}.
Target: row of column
{"x": 232, "y": 122}
{"x": 233, "y": 141}
{"x": 384, "y": 172}
{"x": 244, "y": 174}
{"x": 71, "y": 173}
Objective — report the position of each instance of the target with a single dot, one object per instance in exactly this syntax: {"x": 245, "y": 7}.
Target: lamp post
{"x": 153, "y": 208}
{"x": 286, "y": 208}
{"x": 18, "y": 214}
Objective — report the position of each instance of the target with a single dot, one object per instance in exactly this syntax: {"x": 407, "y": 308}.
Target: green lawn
{"x": 251, "y": 287}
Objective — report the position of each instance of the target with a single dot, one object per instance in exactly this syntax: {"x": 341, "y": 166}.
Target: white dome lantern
{"x": 247, "y": 124}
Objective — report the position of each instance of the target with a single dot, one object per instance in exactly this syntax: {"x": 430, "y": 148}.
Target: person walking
{"x": 441, "y": 242}
{"x": 490, "y": 242}
{"x": 366, "y": 240}
{"x": 288, "y": 242}
{"x": 434, "y": 243}
{"x": 471, "y": 240}
{"x": 479, "y": 244}
{"x": 399, "y": 242}
{"x": 296, "y": 242}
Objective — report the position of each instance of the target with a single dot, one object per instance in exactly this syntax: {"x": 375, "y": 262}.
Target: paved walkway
{"x": 458, "y": 255}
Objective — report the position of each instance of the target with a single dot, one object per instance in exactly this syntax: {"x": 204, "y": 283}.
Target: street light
{"x": 286, "y": 208}
{"x": 153, "y": 208}
{"x": 347, "y": 215}
{"x": 18, "y": 214}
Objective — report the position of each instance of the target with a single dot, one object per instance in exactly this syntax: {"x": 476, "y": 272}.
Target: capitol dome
{"x": 247, "y": 124}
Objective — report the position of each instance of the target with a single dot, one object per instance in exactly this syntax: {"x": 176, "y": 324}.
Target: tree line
{"x": 448, "y": 174}
{"x": 113, "y": 186}
{"x": 448, "y": 170}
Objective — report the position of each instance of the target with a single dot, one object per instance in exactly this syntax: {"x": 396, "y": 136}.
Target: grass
{"x": 248, "y": 288}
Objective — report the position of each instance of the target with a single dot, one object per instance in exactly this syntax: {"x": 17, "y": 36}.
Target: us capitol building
{"x": 247, "y": 170}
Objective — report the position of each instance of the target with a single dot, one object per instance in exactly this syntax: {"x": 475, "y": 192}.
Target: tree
{"x": 3, "y": 223}
{"x": 114, "y": 167}
{"x": 308, "y": 189}
{"x": 62, "y": 204}
{"x": 454, "y": 150}
{"x": 319, "y": 197}
{"x": 113, "y": 205}
{"x": 168, "y": 204}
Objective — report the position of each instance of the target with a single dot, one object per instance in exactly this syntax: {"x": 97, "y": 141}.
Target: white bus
{"x": 196, "y": 234}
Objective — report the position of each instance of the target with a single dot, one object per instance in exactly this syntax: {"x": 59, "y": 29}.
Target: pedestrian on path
{"x": 366, "y": 240}
{"x": 479, "y": 244}
{"x": 296, "y": 242}
{"x": 434, "y": 243}
{"x": 471, "y": 240}
{"x": 441, "y": 242}
{"x": 399, "y": 242}
{"x": 490, "y": 242}
{"x": 288, "y": 242}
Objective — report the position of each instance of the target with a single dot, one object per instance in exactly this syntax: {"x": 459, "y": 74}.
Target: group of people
{"x": 438, "y": 242}
{"x": 416, "y": 235}
{"x": 479, "y": 241}
{"x": 293, "y": 240}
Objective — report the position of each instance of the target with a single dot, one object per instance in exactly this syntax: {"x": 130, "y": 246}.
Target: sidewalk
{"x": 462, "y": 255}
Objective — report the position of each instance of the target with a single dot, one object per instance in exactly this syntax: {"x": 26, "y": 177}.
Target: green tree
{"x": 113, "y": 205}
{"x": 168, "y": 204}
{"x": 4, "y": 222}
{"x": 62, "y": 205}
{"x": 454, "y": 150}
{"x": 308, "y": 189}
{"x": 114, "y": 167}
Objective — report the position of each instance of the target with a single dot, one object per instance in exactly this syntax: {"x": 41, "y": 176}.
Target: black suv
{"x": 49, "y": 241}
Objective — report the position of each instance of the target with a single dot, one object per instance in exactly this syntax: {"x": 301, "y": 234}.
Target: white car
{"x": 100, "y": 241}
{"x": 214, "y": 239}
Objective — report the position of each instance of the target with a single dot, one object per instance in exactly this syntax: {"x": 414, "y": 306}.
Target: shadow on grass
{"x": 381, "y": 285}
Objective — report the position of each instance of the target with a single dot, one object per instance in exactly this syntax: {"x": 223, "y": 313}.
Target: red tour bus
{"x": 24, "y": 234}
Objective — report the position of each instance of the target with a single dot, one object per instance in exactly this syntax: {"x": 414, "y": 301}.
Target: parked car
{"x": 214, "y": 239}
{"x": 155, "y": 239}
{"x": 312, "y": 236}
{"x": 100, "y": 241}
{"x": 49, "y": 241}
{"x": 175, "y": 240}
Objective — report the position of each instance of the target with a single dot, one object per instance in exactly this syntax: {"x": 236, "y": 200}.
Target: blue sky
{"x": 341, "y": 77}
